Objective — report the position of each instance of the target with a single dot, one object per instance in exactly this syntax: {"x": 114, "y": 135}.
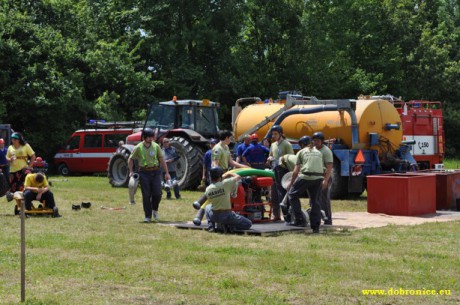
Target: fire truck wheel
{"x": 339, "y": 188}
{"x": 118, "y": 172}
{"x": 63, "y": 170}
{"x": 189, "y": 166}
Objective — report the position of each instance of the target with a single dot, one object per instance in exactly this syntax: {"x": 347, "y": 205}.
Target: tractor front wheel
{"x": 118, "y": 171}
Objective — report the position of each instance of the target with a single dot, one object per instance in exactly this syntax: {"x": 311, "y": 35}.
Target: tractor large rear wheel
{"x": 118, "y": 171}
{"x": 190, "y": 165}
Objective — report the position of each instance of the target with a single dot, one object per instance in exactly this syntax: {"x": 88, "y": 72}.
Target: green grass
{"x": 451, "y": 163}
{"x": 95, "y": 256}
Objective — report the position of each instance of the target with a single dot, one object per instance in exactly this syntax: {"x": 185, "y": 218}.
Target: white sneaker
{"x": 147, "y": 220}
{"x": 155, "y": 216}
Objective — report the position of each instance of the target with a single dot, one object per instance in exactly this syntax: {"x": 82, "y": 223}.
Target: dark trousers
{"x": 151, "y": 191}
{"x": 233, "y": 220}
{"x": 47, "y": 197}
{"x": 278, "y": 192}
{"x": 176, "y": 186}
{"x": 17, "y": 180}
{"x": 6, "y": 174}
{"x": 325, "y": 201}
{"x": 313, "y": 187}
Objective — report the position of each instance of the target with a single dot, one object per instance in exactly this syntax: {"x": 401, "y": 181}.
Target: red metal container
{"x": 447, "y": 189}
{"x": 402, "y": 194}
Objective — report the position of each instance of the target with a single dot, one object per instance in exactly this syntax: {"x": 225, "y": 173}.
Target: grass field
{"x": 96, "y": 256}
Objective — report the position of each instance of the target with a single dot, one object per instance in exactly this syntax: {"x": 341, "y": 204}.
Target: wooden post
{"x": 23, "y": 251}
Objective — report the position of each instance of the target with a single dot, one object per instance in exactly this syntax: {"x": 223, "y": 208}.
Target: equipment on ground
{"x": 248, "y": 199}
{"x": 189, "y": 124}
{"x": 132, "y": 187}
{"x": 365, "y": 135}
{"x": 40, "y": 209}
{"x": 200, "y": 205}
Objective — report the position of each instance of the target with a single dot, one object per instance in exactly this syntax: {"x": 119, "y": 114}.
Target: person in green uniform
{"x": 328, "y": 161}
{"x": 278, "y": 148}
{"x": 221, "y": 152}
{"x": 307, "y": 176}
{"x": 220, "y": 209}
{"x": 149, "y": 156}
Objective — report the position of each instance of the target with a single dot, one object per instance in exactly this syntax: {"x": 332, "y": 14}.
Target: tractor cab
{"x": 200, "y": 116}
{"x": 174, "y": 115}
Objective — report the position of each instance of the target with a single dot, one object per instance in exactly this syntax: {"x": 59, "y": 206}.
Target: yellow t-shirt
{"x": 222, "y": 154}
{"x": 30, "y": 182}
{"x": 23, "y": 154}
{"x": 219, "y": 194}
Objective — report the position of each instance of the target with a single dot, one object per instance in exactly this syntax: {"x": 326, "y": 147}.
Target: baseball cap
{"x": 213, "y": 141}
{"x": 2, "y": 141}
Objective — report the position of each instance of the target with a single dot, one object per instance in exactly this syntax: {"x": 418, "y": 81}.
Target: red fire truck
{"x": 422, "y": 124}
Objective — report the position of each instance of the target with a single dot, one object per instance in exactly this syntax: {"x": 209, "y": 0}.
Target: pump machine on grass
{"x": 365, "y": 135}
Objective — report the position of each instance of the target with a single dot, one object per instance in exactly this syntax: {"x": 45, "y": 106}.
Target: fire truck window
{"x": 74, "y": 143}
{"x": 111, "y": 140}
{"x": 93, "y": 140}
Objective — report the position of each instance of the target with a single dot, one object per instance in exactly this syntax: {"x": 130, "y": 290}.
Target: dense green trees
{"x": 63, "y": 62}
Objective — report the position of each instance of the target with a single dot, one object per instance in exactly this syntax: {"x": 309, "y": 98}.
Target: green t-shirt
{"x": 288, "y": 161}
{"x": 219, "y": 194}
{"x": 147, "y": 157}
{"x": 280, "y": 149}
{"x": 311, "y": 163}
{"x": 221, "y": 153}
{"x": 328, "y": 157}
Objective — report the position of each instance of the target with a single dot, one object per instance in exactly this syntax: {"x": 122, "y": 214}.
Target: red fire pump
{"x": 248, "y": 201}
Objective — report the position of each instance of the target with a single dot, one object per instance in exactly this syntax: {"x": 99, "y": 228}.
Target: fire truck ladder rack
{"x": 115, "y": 124}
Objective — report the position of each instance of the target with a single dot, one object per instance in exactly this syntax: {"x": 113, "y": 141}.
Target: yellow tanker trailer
{"x": 351, "y": 127}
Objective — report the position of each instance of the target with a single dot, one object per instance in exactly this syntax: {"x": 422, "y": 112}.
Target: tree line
{"x": 65, "y": 62}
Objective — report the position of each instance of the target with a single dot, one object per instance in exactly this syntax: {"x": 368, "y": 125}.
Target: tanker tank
{"x": 372, "y": 117}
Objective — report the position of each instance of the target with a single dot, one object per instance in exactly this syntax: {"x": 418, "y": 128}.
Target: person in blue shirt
{"x": 255, "y": 154}
{"x": 4, "y": 163}
{"x": 242, "y": 147}
{"x": 171, "y": 157}
{"x": 207, "y": 162}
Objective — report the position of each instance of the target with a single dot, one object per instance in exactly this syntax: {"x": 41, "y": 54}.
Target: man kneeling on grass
{"x": 36, "y": 188}
{"x": 218, "y": 194}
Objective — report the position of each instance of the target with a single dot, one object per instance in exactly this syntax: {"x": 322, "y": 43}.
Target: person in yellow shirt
{"x": 218, "y": 194}
{"x": 36, "y": 188}
{"x": 21, "y": 157}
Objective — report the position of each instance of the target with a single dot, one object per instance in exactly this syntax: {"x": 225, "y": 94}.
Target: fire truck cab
{"x": 422, "y": 124}
{"x": 89, "y": 150}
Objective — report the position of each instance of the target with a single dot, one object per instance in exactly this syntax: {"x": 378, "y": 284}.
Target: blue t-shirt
{"x": 207, "y": 160}
{"x": 170, "y": 153}
{"x": 256, "y": 153}
{"x": 3, "y": 152}
{"x": 241, "y": 148}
